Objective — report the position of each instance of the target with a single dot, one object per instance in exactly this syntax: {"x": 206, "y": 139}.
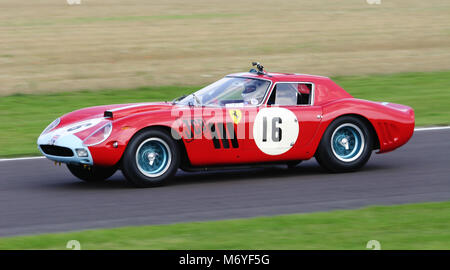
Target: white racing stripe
{"x": 41, "y": 157}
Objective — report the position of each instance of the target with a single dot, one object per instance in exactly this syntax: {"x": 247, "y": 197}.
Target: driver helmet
{"x": 252, "y": 93}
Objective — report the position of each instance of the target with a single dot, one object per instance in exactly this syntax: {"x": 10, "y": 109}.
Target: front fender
{"x": 107, "y": 154}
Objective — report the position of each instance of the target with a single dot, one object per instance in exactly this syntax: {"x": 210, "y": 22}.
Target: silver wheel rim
{"x": 153, "y": 157}
{"x": 347, "y": 142}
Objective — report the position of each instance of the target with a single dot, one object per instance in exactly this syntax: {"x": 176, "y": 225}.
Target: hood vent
{"x": 108, "y": 114}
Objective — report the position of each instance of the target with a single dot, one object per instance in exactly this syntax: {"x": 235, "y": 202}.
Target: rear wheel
{"x": 151, "y": 159}
{"x": 346, "y": 145}
{"x": 91, "y": 173}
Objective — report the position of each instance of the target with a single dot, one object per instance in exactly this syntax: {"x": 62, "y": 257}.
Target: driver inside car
{"x": 253, "y": 94}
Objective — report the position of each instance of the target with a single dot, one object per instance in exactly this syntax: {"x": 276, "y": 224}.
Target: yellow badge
{"x": 236, "y": 115}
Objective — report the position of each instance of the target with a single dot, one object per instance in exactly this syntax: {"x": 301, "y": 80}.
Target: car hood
{"x": 96, "y": 116}
{"x": 97, "y": 113}
{"x": 112, "y": 112}
{"x": 124, "y": 110}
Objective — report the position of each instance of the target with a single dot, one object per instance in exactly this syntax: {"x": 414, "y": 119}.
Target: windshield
{"x": 229, "y": 91}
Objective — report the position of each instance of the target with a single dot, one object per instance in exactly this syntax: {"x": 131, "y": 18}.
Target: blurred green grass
{"x": 23, "y": 117}
{"x": 427, "y": 93}
{"x": 413, "y": 226}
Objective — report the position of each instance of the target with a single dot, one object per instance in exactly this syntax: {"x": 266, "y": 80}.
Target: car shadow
{"x": 255, "y": 173}
{"x": 277, "y": 171}
{"x": 115, "y": 182}
{"x": 251, "y": 173}
{"x": 118, "y": 181}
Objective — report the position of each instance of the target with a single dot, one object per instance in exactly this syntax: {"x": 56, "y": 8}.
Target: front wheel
{"x": 346, "y": 145}
{"x": 91, "y": 173}
{"x": 151, "y": 159}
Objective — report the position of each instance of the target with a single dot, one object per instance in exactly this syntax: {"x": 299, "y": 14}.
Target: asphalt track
{"x": 37, "y": 197}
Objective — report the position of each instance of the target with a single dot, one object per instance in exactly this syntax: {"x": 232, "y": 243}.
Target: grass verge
{"x": 23, "y": 117}
{"x": 412, "y": 226}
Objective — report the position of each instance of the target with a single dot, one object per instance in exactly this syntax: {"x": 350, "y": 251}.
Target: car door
{"x": 285, "y": 127}
{"x": 211, "y": 135}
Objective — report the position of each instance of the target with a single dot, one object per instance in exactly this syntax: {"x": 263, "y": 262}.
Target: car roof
{"x": 279, "y": 77}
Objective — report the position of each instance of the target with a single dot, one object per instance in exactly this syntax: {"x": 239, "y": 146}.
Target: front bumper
{"x": 57, "y": 148}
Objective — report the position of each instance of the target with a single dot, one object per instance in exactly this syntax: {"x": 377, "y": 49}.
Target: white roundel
{"x": 77, "y": 127}
{"x": 275, "y": 130}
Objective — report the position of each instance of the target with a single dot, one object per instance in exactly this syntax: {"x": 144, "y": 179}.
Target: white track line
{"x": 22, "y": 158}
{"x": 431, "y": 128}
{"x": 416, "y": 129}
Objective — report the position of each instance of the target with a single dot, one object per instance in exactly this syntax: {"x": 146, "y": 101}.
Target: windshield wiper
{"x": 197, "y": 99}
{"x": 175, "y": 100}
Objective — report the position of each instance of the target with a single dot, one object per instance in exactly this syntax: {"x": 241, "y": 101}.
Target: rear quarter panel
{"x": 393, "y": 123}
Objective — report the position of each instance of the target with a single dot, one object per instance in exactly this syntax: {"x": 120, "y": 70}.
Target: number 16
{"x": 276, "y": 131}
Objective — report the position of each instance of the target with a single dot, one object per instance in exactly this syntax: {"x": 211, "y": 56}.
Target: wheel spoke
{"x": 347, "y": 142}
{"x": 153, "y": 157}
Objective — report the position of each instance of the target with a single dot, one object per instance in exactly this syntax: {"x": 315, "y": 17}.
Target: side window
{"x": 289, "y": 94}
{"x": 304, "y": 90}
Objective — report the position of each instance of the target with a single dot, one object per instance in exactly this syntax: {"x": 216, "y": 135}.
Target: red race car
{"x": 241, "y": 119}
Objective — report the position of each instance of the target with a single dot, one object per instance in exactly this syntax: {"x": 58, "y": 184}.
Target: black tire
{"x": 91, "y": 173}
{"x": 136, "y": 175}
{"x": 293, "y": 164}
{"x": 327, "y": 155}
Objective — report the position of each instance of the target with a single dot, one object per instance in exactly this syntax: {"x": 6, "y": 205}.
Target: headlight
{"x": 51, "y": 126}
{"x": 98, "y": 136}
{"x": 82, "y": 152}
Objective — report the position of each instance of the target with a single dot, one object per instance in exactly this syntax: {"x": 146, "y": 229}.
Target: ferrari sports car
{"x": 250, "y": 118}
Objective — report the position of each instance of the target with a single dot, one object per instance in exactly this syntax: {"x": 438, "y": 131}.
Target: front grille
{"x": 56, "y": 150}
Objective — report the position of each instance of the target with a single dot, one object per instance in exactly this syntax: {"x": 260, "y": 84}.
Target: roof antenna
{"x": 260, "y": 68}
